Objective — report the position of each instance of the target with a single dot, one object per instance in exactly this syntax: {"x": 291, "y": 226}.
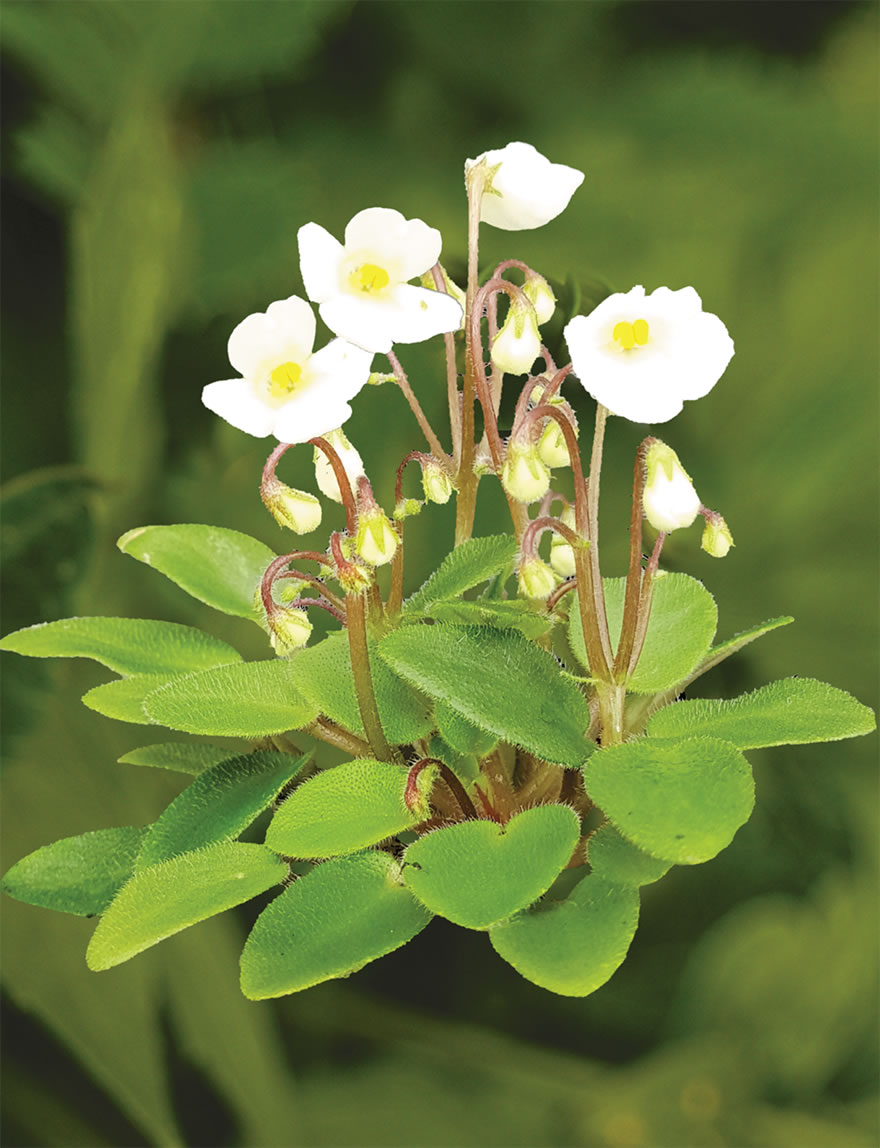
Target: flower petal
{"x": 236, "y": 401}
{"x": 340, "y": 369}
{"x": 527, "y": 190}
{"x": 365, "y": 322}
{"x": 404, "y": 247}
{"x": 419, "y": 313}
{"x": 308, "y": 415}
{"x": 319, "y": 258}
{"x": 284, "y": 332}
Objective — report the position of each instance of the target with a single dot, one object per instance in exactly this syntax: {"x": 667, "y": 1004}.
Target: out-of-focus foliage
{"x": 160, "y": 160}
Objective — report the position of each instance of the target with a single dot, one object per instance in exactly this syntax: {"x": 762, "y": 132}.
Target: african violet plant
{"x": 518, "y": 761}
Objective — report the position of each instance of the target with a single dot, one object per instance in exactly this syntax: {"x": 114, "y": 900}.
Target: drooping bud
{"x": 518, "y": 343}
{"x": 406, "y": 508}
{"x": 298, "y": 510}
{"x": 537, "y": 290}
{"x": 524, "y": 476}
{"x": 287, "y": 590}
{"x": 376, "y": 540}
{"x": 669, "y": 499}
{"x": 436, "y": 483}
{"x": 535, "y": 579}
{"x": 351, "y": 460}
{"x": 289, "y": 630}
{"x": 552, "y": 446}
{"x": 561, "y": 553}
{"x": 717, "y": 539}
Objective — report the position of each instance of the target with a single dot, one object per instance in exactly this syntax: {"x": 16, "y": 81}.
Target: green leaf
{"x": 462, "y": 735}
{"x": 222, "y": 568}
{"x": 323, "y": 674}
{"x": 125, "y": 645}
{"x": 680, "y": 632}
{"x": 78, "y": 875}
{"x": 253, "y": 699}
{"x": 123, "y": 699}
{"x": 469, "y": 564}
{"x": 184, "y": 756}
{"x": 681, "y": 800}
{"x": 499, "y": 681}
{"x": 477, "y": 872}
{"x": 571, "y": 947}
{"x": 511, "y": 615}
{"x": 738, "y": 641}
{"x": 219, "y": 804}
{"x": 345, "y": 809}
{"x": 330, "y": 923}
{"x": 794, "y": 711}
{"x": 162, "y": 900}
{"x": 613, "y": 858}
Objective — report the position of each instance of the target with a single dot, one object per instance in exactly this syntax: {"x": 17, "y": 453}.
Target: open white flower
{"x": 286, "y": 390}
{"x": 361, "y": 287}
{"x": 523, "y": 189}
{"x": 642, "y": 355}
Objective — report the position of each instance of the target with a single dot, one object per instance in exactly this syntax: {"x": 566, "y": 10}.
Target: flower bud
{"x": 537, "y": 290}
{"x": 669, "y": 499}
{"x": 518, "y": 343}
{"x": 524, "y": 476}
{"x": 377, "y": 539}
{"x": 289, "y": 630}
{"x": 377, "y": 378}
{"x": 717, "y": 539}
{"x": 436, "y": 483}
{"x": 351, "y": 460}
{"x": 535, "y": 579}
{"x": 298, "y": 510}
{"x": 406, "y": 508}
{"x": 287, "y": 590}
{"x": 552, "y": 447}
{"x": 561, "y": 553}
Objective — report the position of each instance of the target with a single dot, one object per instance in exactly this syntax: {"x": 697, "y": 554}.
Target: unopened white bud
{"x": 717, "y": 539}
{"x": 518, "y": 343}
{"x": 535, "y": 579}
{"x": 537, "y": 290}
{"x": 561, "y": 552}
{"x": 377, "y": 539}
{"x": 552, "y": 446}
{"x": 298, "y": 510}
{"x": 669, "y": 499}
{"x": 289, "y": 630}
{"x": 524, "y": 476}
{"x": 436, "y": 483}
{"x": 351, "y": 460}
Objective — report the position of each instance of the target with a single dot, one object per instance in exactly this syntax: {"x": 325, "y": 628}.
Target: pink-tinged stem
{"x": 421, "y": 418}
{"x": 452, "y": 392}
{"x": 634, "y": 573}
{"x": 645, "y": 600}
{"x": 342, "y": 482}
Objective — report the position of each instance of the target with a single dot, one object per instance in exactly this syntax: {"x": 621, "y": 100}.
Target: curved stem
{"x": 303, "y": 602}
{"x": 421, "y": 418}
{"x": 318, "y": 584}
{"x": 536, "y": 528}
{"x": 560, "y": 591}
{"x": 342, "y": 482}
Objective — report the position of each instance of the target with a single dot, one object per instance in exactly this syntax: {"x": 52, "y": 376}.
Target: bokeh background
{"x": 159, "y": 158}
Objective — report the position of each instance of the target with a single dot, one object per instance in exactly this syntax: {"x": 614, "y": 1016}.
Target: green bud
{"x": 406, "y": 508}
{"x": 524, "y": 476}
{"x": 717, "y": 539}
{"x": 436, "y": 483}
{"x": 289, "y": 630}
{"x": 552, "y": 446}
{"x": 377, "y": 539}
{"x": 298, "y": 510}
{"x": 537, "y": 290}
{"x": 561, "y": 553}
{"x": 535, "y": 579}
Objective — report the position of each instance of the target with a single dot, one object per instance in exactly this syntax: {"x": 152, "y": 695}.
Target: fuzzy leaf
{"x": 499, "y": 681}
{"x": 123, "y": 699}
{"x": 162, "y": 900}
{"x": 222, "y": 568}
{"x": 680, "y": 632}
{"x": 571, "y": 947}
{"x": 511, "y": 615}
{"x": 78, "y": 875}
{"x": 794, "y": 711}
{"x": 477, "y": 873}
{"x": 724, "y": 649}
{"x": 459, "y": 733}
{"x": 184, "y": 756}
{"x": 253, "y": 699}
{"x": 613, "y": 858}
{"x": 323, "y": 674}
{"x": 125, "y": 645}
{"x": 345, "y": 809}
{"x": 681, "y": 799}
{"x": 469, "y": 564}
{"x": 330, "y": 923}
{"x": 219, "y": 804}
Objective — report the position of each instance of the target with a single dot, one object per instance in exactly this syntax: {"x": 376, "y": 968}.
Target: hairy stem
{"x": 363, "y": 676}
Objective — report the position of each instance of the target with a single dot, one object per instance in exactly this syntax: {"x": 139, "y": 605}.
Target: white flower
{"x": 362, "y": 286}
{"x": 286, "y": 390}
{"x": 523, "y": 189}
{"x": 669, "y": 499}
{"x": 518, "y": 343}
{"x": 642, "y": 355}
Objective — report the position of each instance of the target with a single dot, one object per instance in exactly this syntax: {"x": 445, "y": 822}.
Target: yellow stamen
{"x": 285, "y": 379}
{"x": 369, "y": 277}
{"x": 640, "y": 331}
{"x": 630, "y": 335}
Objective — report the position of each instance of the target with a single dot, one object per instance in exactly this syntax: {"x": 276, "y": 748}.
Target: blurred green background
{"x": 159, "y": 158}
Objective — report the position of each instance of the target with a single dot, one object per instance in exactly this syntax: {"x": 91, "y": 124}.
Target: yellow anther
{"x": 630, "y": 335}
{"x": 285, "y": 379}
{"x": 369, "y": 277}
{"x": 640, "y": 331}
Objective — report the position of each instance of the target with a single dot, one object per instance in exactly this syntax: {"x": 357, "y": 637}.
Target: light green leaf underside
{"x": 460, "y": 734}
{"x": 78, "y": 875}
{"x": 681, "y": 800}
{"x": 464, "y": 765}
{"x": 222, "y": 568}
{"x": 124, "y": 698}
{"x": 499, "y": 681}
{"x": 124, "y": 645}
{"x": 680, "y": 632}
{"x": 613, "y": 858}
{"x": 513, "y": 615}
{"x": 469, "y": 564}
{"x": 793, "y": 711}
{"x": 182, "y": 756}
{"x": 322, "y": 673}
{"x": 346, "y": 809}
{"x": 162, "y": 900}
{"x": 574, "y": 946}
{"x": 478, "y": 873}
{"x": 330, "y": 923}
{"x": 219, "y": 804}
{"x": 253, "y": 699}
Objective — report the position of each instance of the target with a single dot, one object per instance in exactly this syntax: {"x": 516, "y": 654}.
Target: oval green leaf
{"x": 478, "y": 872}
{"x": 469, "y": 564}
{"x": 794, "y": 711}
{"x": 499, "y": 681}
{"x": 613, "y": 858}
{"x": 163, "y": 900}
{"x": 123, "y": 699}
{"x": 505, "y": 615}
{"x": 346, "y": 809}
{"x": 191, "y": 757}
{"x": 222, "y": 568}
{"x": 330, "y": 923}
{"x": 571, "y": 947}
{"x": 681, "y": 800}
{"x": 125, "y": 645}
{"x": 219, "y": 804}
{"x": 78, "y": 875}
{"x": 252, "y": 699}
{"x": 462, "y": 735}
